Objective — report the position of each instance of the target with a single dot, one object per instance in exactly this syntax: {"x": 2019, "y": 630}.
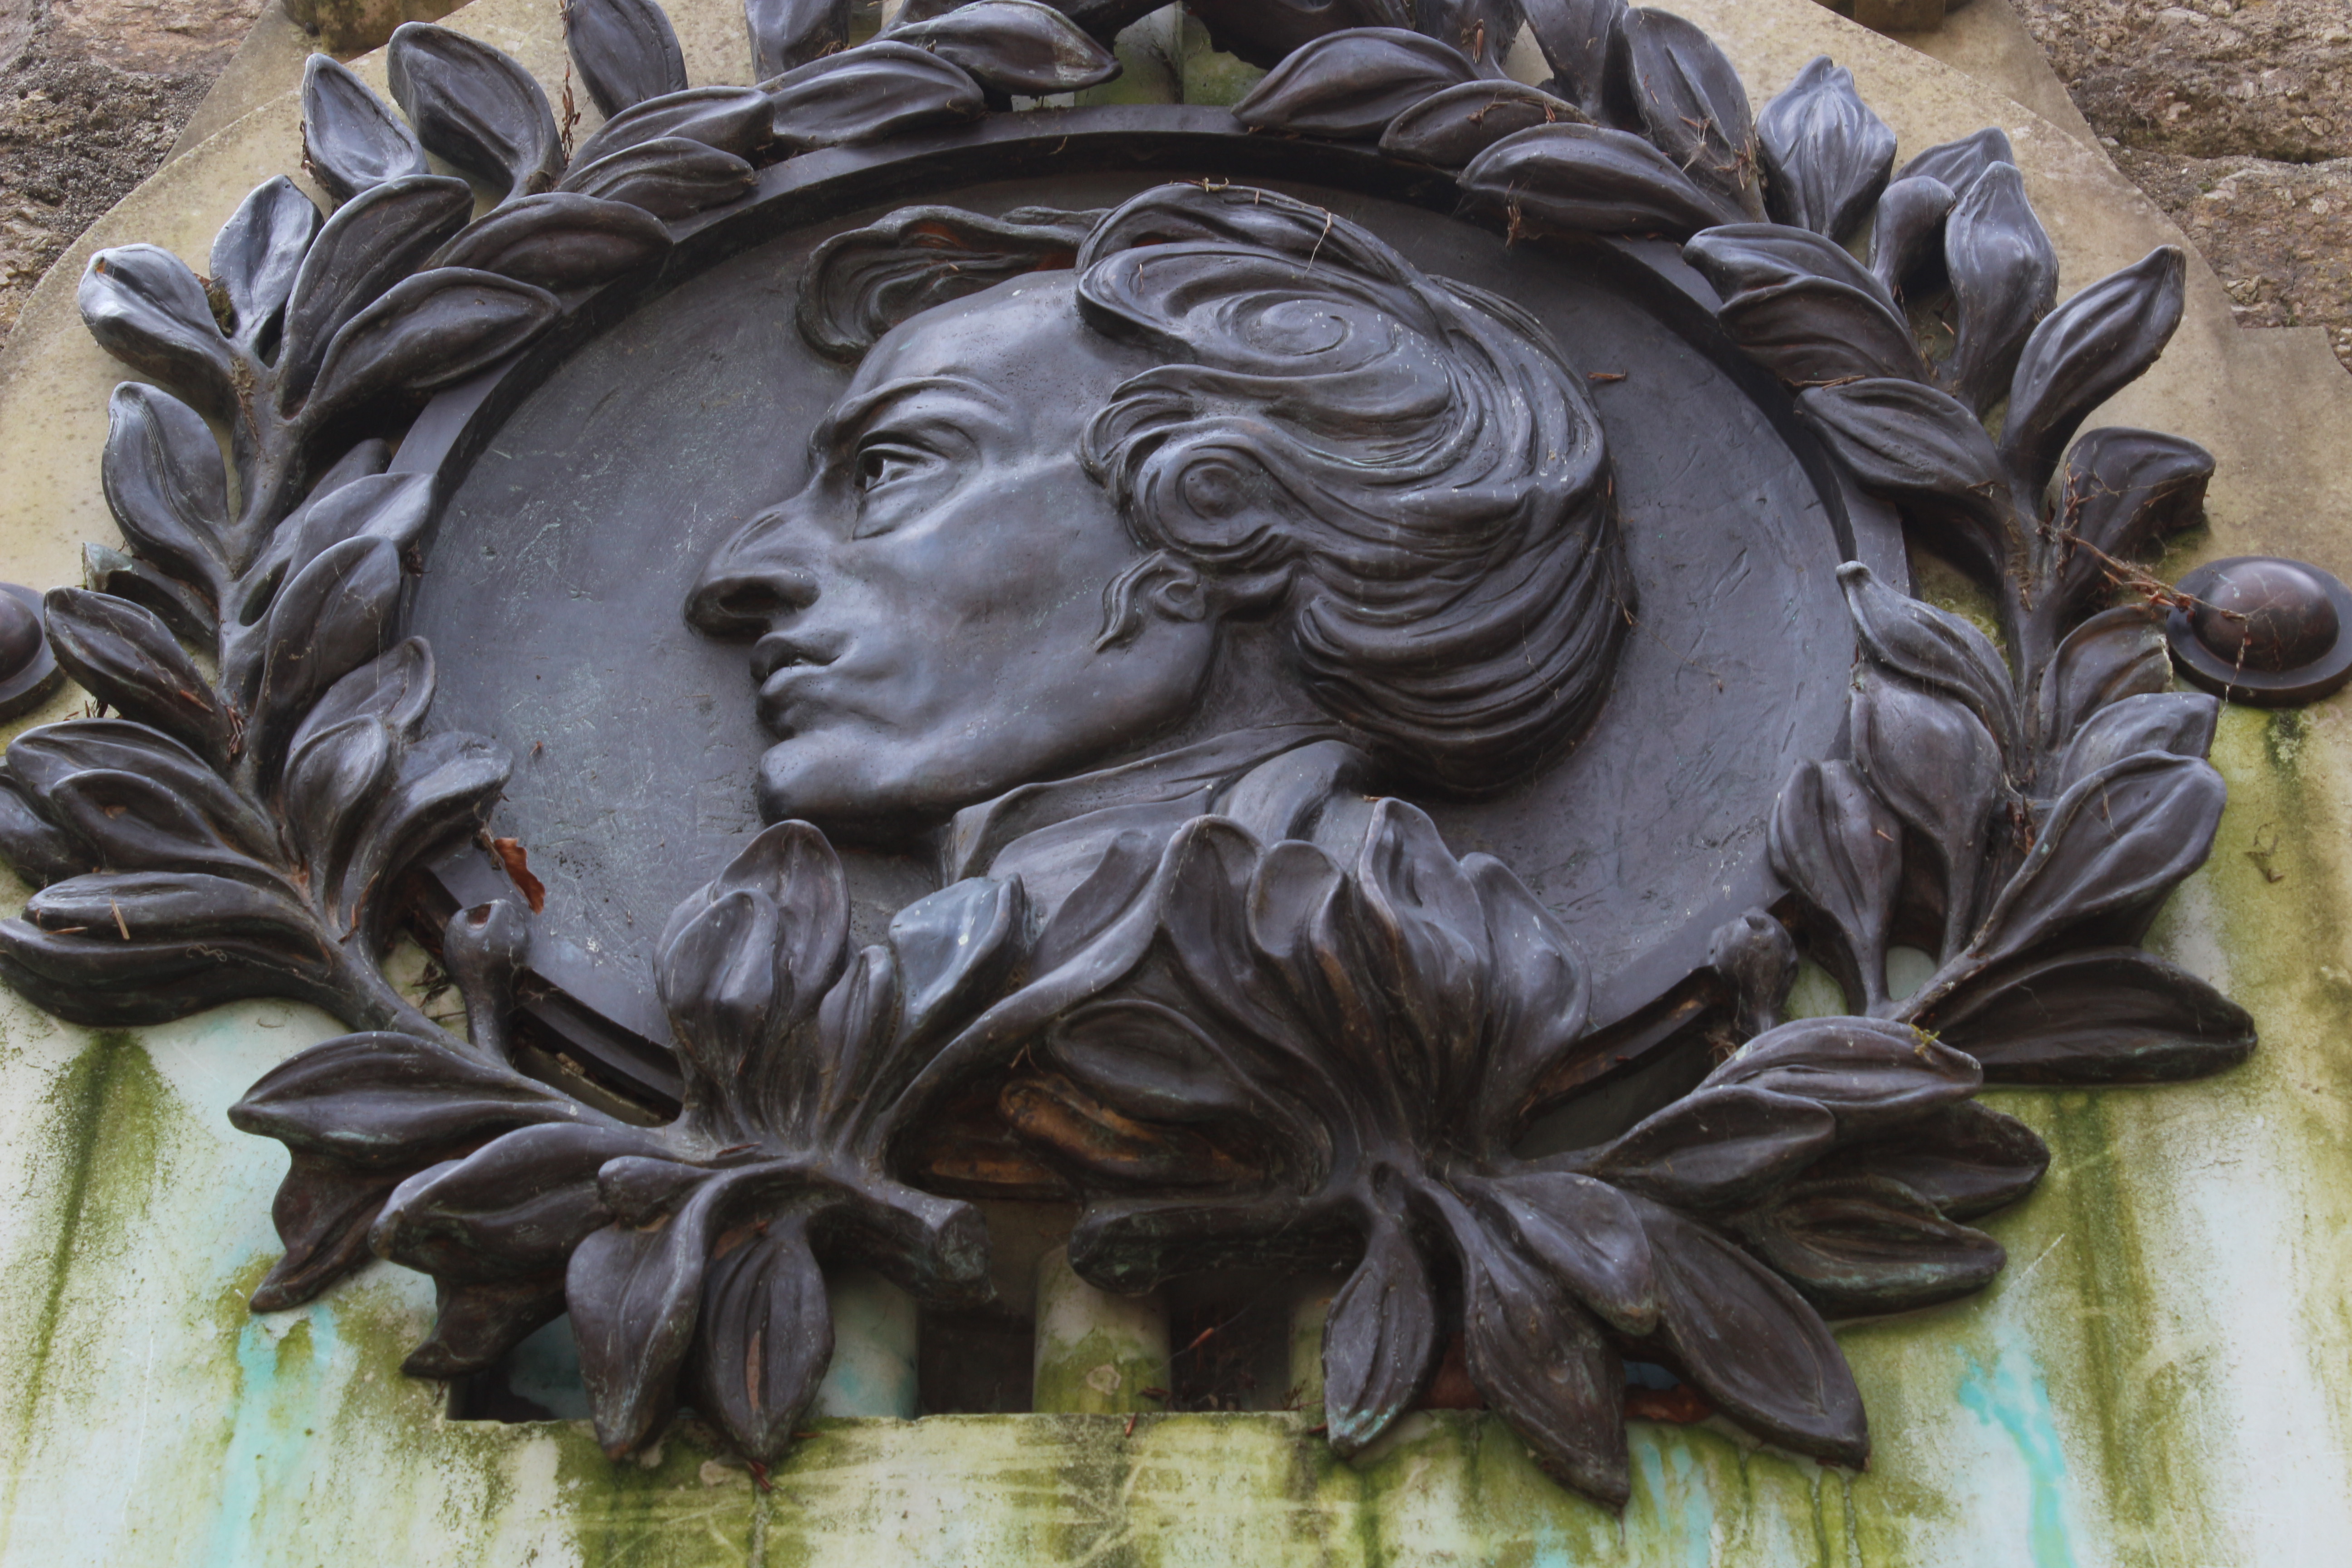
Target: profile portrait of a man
{"x": 1212, "y": 503}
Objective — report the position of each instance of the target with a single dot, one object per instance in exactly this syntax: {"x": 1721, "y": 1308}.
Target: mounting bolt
{"x": 29, "y": 674}
{"x": 2263, "y": 631}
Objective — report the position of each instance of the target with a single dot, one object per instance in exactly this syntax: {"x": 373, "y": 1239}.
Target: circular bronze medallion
{"x": 591, "y": 501}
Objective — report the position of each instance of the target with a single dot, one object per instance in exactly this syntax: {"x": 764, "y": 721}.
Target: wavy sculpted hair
{"x": 1403, "y": 468}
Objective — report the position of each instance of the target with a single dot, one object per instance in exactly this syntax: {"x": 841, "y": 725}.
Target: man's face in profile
{"x": 928, "y": 607}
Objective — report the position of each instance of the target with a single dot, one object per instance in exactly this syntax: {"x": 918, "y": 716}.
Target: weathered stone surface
{"x": 91, "y": 94}
{"x": 2279, "y": 233}
{"x": 2236, "y": 117}
{"x": 2266, "y": 79}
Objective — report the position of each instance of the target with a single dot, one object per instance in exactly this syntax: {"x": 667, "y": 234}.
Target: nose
{"x": 753, "y": 579}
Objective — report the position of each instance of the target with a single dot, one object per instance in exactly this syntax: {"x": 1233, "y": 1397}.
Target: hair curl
{"x": 1403, "y": 468}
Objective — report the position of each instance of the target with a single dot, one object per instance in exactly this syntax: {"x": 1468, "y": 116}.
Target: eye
{"x": 885, "y": 462}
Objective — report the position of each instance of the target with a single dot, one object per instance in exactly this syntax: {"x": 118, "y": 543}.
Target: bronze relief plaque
{"x": 1299, "y": 680}
{"x": 566, "y": 556}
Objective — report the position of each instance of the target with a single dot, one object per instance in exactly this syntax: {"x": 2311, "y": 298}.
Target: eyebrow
{"x": 858, "y": 411}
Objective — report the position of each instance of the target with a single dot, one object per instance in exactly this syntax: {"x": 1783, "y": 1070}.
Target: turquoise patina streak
{"x": 270, "y": 1444}
{"x": 1679, "y": 1501}
{"x": 2012, "y": 1396}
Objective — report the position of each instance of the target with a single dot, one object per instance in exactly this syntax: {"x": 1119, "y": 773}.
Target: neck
{"x": 1250, "y": 685}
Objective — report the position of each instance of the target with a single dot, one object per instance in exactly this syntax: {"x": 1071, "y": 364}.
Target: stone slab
{"x": 2160, "y": 1377}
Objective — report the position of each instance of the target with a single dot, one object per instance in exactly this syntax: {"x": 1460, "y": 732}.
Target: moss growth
{"x": 102, "y": 1137}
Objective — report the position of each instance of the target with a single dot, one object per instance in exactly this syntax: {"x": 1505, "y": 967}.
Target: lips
{"x": 786, "y": 650}
{"x": 782, "y": 665}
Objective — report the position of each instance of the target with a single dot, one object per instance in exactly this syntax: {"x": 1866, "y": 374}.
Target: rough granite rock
{"x": 2279, "y": 233}
{"x": 2207, "y": 79}
{"x": 92, "y": 93}
{"x": 2236, "y": 117}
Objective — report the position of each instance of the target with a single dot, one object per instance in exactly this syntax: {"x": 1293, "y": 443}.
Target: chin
{"x": 799, "y": 783}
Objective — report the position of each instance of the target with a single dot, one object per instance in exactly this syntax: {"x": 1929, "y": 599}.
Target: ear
{"x": 1161, "y": 586}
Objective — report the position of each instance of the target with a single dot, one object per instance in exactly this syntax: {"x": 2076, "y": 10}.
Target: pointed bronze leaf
{"x": 1908, "y": 229}
{"x": 635, "y": 1295}
{"x": 2114, "y": 1015}
{"x": 1870, "y": 1073}
{"x": 732, "y": 119}
{"x": 443, "y": 793}
{"x": 560, "y": 240}
{"x": 2113, "y": 845}
{"x": 43, "y": 761}
{"x": 953, "y": 947}
{"x": 476, "y": 108}
{"x": 1961, "y": 1157}
{"x": 146, "y": 308}
{"x": 1379, "y": 1341}
{"x": 2124, "y": 490}
{"x": 166, "y": 485}
{"x": 338, "y": 613}
{"x": 1536, "y": 1000}
{"x": 255, "y": 256}
{"x": 1752, "y": 1344}
{"x": 2180, "y": 722}
{"x": 513, "y": 1209}
{"x": 1839, "y": 847}
{"x": 1931, "y": 759}
{"x": 669, "y": 177}
{"x": 626, "y": 51}
{"x": 1720, "y": 1147}
{"x": 1826, "y": 155}
{"x": 1925, "y": 449}
{"x": 373, "y": 241}
{"x": 762, "y": 1338}
{"x": 1803, "y": 308}
{"x": 1858, "y": 1244}
{"x": 1015, "y": 47}
{"x": 124, "y": 657}
{"x": 718, "y": 980}
{"x": 2117, "y": 654}
{"x": 1932, "y": 646}
{"x": 1449, "y": 129}
{"x": 397, "y": 687}
{"x": 322, "y": 1212}
{"x": 1690, "y": 105}
{"x": 2086, "y": 350}
{"x": 478, "y": 1324}
{"x": 1959, "y": 165}
{"x": 179, "y": 605}
{"x": 386, "y": 1101}
{"x": 1586, "y": 178}
{"x": 1583, "y": 1232}
{"x": 328, "y": 783}
{"x": 1540, "y": 1360}
{"x": 2004, "y": 274}
{"x": 426, "y": 332}
{"x": 33, "y": 847}
{"x": 352, "y": 142}
{"x": 1347, "y": 86}
{"x": 865, "y": 94}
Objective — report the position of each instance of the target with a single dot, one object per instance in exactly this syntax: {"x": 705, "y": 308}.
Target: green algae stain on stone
{"x": 103, "y": 1153}
{"x": 678, "y": 1505}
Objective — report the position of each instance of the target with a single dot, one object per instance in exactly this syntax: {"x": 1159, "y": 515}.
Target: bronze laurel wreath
{"x": 244, "y": 827}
